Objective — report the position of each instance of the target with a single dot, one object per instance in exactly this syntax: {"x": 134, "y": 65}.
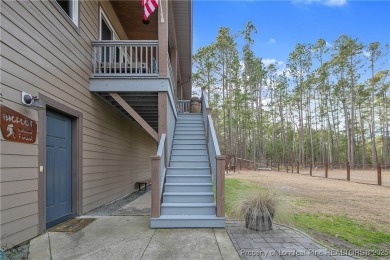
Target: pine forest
{"x": 325, "y": 103}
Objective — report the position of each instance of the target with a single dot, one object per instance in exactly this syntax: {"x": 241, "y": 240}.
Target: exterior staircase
{"x": 188, "y": 199}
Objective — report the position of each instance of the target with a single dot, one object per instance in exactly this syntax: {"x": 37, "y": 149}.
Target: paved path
{"x": 121, "y": 231}
{"x": 280, "y": 243}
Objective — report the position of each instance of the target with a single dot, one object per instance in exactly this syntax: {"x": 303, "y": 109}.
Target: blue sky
{"x": 283, "y": 24}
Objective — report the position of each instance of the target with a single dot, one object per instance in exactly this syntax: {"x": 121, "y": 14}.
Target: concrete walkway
{"x": 121, "y": 231}
{"x": 129, "y": 237}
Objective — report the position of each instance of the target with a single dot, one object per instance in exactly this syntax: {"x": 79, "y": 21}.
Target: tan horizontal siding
{"x": 99, "y": 183}
{"x": 18, "y": 199}
{"x": 23, "y": 211}
{"x": 103, "y": 175}
{"x": 55, "y": 22}
{"x": 18, "y": 174}
{"x": 28, "y": 14}
{"x": 9, "y": 188}
{"x": 18, "y": 225}
{"x": 13, "y": 148}
{"x": 104, "y": 169}
{"x": 43, "y": 54}
{"x": 107, "y": 197}
{"x": 19, "y": 161}
{"x": 23, "y": 235}
{"x": 97, "y": 192}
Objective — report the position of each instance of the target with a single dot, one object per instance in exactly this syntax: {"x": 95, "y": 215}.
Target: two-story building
{"x": 108, "y": 85}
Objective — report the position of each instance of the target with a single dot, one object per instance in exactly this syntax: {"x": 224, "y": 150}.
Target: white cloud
{"x": 284, "y": 72}
{"x": 335, "y": 2}
{"x": 268, "y": 62}
{"x": 323, "y": 2}
{"x": 366, "y": 54}
{"x": 271, "y": 41}
{"x": 329, "y": 45}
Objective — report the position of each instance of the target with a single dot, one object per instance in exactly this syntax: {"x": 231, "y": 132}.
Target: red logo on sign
{"x": 17, "y": 127}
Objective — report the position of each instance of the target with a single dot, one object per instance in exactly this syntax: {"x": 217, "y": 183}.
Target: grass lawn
{"x": 362, "y": 235}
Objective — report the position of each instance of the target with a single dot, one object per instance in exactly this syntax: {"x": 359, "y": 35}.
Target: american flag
{"x": 149, "y": 7}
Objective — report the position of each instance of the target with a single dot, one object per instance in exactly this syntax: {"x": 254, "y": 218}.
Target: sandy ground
{"x": 368, "y": 203}
{"x": 367, "y": 176}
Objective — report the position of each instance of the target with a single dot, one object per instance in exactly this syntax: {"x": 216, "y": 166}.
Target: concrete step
{"x": 189, "y": 164}
{"x": 189, "y": 141}
{"x": 189, "y": 118}
{"x": 194, "y": 146}
{"x": 190, "y": 132}
{"x": 186, "y": 127}
{"x": 189, "y": 136}
{"x": 180, "y": 115}
{"x": 188, "y": 171}
{"x": 188, "y": 197}
{"x": 190, "y": 121}
{"x": 187, "y": 221}
{"x": 187, "y": 208}
{"x": 191, "y": 152}
{"x": 194, "y": 158}
{"x": 188, "y": 187}
{"x": 186, "y": 178}
{"x": 189, "y": 124}
{"x": 190, "y": 114}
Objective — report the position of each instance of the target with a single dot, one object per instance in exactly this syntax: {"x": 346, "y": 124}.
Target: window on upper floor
{"x": 71, "y": 8}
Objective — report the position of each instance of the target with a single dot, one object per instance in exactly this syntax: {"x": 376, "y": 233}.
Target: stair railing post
{"x": 220, "y": 185}
{"x": 208, "y": 112}
{"x": 156, "y": 175}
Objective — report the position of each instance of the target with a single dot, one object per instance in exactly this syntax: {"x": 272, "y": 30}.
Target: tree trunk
{"x": 362, "y": 131}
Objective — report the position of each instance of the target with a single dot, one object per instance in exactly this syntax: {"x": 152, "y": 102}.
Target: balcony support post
{"x": 163, "y": 39}
{"x": 163, "y": 119}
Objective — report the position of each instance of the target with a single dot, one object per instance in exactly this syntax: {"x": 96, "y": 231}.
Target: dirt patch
{"x": 363, "y": 202}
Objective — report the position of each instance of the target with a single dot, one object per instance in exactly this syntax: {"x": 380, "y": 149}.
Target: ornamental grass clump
{"x": 258, "y": 209}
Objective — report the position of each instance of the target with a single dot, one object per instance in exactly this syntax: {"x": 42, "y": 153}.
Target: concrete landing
{"x": 129, "y": 237}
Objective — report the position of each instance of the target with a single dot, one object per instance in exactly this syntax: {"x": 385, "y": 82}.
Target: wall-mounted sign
{"x": 17, "y": 127}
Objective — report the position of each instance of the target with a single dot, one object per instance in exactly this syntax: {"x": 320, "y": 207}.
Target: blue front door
{"x": 58, "y": 168}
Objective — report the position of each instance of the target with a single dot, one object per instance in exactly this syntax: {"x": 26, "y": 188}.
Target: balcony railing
{"x": 125, "y": 58}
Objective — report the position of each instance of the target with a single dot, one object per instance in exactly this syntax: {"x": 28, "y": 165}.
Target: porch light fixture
{"x": 32, "y": 102}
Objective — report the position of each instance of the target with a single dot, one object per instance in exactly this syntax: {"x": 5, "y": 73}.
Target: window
{"x": 71, "y": 8}
{"x": 107, "y": 31}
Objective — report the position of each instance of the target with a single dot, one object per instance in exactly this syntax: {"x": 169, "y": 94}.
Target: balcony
{"x": 126, "y": 58}
{"x": 127, "y": 72}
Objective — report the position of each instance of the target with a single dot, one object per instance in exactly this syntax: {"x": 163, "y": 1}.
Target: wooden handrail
{"x": 217, "y": 161}
{"x": 124, "y": 42}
